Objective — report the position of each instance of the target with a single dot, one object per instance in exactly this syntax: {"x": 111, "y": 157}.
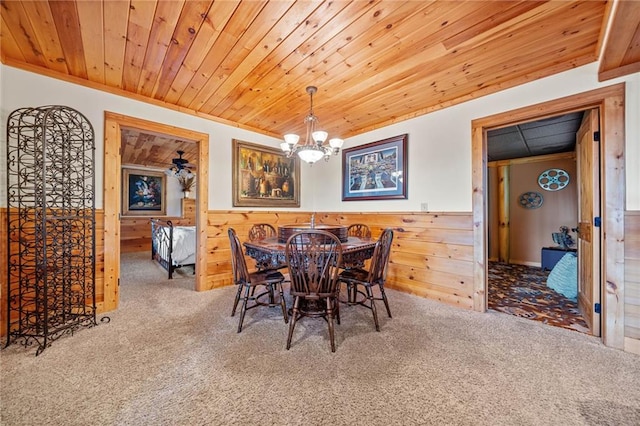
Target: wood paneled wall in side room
{"x": 135, "y": 232}
{"x": 99, "y": 255}
{"x": 431, "y": 255}
{"x": 632, "y": 281}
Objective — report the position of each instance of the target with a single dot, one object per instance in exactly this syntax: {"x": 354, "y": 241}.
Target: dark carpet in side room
{"x": 522, "y": 291}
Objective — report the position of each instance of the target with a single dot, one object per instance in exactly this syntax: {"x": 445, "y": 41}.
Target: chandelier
{"x": 313, "y": 148}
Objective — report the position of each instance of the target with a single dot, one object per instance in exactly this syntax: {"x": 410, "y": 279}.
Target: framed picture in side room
{"x": 143, "y": 193}
{"x": 375, "y": 171}
{"x": 264, "y": 177}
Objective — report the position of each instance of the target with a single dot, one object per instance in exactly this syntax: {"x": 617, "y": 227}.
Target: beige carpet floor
{"x": 171, "y": 356}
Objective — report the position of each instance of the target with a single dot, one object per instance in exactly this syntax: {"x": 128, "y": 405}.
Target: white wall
{"x": 632, "y": 150}
{"x": 440, "y": 145}
{"x": 20, "y": 89}
{"x": 439, "y": 149}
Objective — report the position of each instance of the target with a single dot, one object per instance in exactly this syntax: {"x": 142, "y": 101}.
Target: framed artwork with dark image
{"x": 264, "y": 176}
{"x": 143, "y": 192}
{"x": 375, "y": 171}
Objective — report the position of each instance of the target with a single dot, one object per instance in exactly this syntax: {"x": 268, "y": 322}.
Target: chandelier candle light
{"x": 313, "y": 148}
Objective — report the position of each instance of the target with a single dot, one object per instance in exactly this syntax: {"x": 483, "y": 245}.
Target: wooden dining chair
{"x": 269, "y": 281}
{"x": 313, "y": 258}
{"x": 376, "y": 275}
{"x": 359, "y": 230}
{"x": 261, "y": 231}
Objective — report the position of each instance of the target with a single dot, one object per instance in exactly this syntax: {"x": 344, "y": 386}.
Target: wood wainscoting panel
{"x": 135, "y": 232}
{"x": 3, "y": 271}
{"x": 189, "y": 208}
{"x": 100, "y": 260}
{"x": 431, "y": 255}
{"x": 219, "y": 271}
{"x": 99, "y": 256}
{"x": 632, "y": 280}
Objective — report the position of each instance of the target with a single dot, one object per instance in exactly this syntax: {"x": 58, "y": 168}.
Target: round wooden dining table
{"x": 270, "y": 252}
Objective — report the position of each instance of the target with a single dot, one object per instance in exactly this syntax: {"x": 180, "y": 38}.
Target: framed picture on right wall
{"x": 375, "y": 171}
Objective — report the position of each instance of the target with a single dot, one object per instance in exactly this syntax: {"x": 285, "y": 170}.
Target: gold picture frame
{"x": 264, "y": 177}
{"x": 143, "y": 193}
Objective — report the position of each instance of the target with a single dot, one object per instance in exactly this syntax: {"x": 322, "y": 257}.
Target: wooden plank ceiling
{"x": 247, "y": 63}
{"x": 154, "y": 150}
{"x": 622, "y": 53}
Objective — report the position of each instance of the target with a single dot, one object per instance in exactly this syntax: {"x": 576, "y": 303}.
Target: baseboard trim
{"x": 526, "y": 263}
{"x": 632, "y": 345}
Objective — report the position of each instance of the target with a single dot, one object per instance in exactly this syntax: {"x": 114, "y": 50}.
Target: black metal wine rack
{"x": 51, "y": 225}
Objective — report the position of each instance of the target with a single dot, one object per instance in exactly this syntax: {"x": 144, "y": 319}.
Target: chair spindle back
{"x": 313, "y": 258}
{"x": 238, "y": 262}
{"x": 380, "y": 259}
{"x": 359, "y": 230}
{"x": 261, "y": 231}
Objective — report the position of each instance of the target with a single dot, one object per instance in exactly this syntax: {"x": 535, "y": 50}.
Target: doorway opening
{"x": 114, "y": 124}
{"x": 533, "y": 191}
{"x": 610, "y": 102}
{"x": 159, "y": 180}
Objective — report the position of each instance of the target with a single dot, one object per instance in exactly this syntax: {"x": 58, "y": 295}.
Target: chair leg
{"x": 330, "y": 314}
{"x": 347, "y": 290}
{"x": 272, "y": 297}
{"x": 373, "y": 306}
{"x": 336, "y": 303}
{"x": 235, "y": 303}
{"x": 294, "y": 317}
{"x": 283, "y": 304}
{"x": 384, "y": 299}
{"x": 243, "y": 311}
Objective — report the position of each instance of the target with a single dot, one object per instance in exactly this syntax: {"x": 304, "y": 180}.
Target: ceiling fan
{"x": 181, "y": 169}
{"x": 181, "y": 163}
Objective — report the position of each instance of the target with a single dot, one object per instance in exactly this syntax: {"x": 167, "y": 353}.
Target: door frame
{"x": 610, "y": 101}
{"x": 113, "y": 123}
